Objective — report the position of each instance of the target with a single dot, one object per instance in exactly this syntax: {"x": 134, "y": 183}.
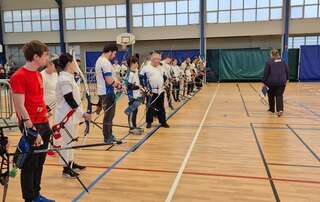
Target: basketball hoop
{"x": 126, "y": 39}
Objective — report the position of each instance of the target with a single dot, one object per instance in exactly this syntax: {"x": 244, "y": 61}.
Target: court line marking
{"x": 274, "y": 190}
{"x": 175, "y": 183}
{"x": 200, "y": 174}
{"x": 293, "y": 165}
{"x": 303, "y": 142}
{"x": 122, "y": 157}
{"x": 243, "y": 102}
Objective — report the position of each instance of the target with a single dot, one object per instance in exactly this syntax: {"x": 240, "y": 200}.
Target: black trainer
{"x": 77, "y": 167}
{"x": 149, "y": 125}
{"x": 165, "y": 125}
{"x": 69, "y": 173}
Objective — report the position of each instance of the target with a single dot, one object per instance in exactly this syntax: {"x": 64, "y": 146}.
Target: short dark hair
{"x": 64, "y": 59}
{"x": 166, "y": 56}
{"x": 78, "y": 60}
{"x": 110, "y": 47}
{"x": 132, "y": 60}
{"x": 32, "y": 48}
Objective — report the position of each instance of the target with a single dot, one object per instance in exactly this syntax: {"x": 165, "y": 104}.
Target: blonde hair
{"x": 275, "y": 54}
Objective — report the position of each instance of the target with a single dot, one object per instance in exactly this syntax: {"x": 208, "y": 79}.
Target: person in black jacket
{"x": 275, "y": 78}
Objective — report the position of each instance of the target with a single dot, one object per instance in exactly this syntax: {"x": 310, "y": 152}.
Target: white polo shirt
{"x": 154, "y": 77}
{"x": 49, "y": 83}
{"x": 103, "y": 68}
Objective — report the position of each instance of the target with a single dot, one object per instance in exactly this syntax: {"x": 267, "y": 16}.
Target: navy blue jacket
{"x": 276, "y": 73}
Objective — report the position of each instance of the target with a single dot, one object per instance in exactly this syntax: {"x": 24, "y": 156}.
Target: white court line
{"x": 186, "y": 158}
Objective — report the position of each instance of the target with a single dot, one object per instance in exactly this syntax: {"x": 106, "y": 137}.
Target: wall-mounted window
{"x": 169, "y": 13}
{"x": 305, "y": 9}
{"x": 32, "y": 20}
{"x": 231, "y": 11}
{"x": 297, "y": 41}
{"x": 96, "y": 17}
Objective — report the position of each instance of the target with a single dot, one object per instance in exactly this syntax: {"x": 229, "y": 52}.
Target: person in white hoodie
{"x": 167, "y": 72}
{"x": 177, "y": 74}
{"x": 68, "y": 98}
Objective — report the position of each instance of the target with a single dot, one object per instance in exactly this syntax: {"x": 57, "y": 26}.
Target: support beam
{"x": 128, "y": 20}
{"x": 61, "y": 27}
{"x": 202, "y": 29}
{"x": 3, "y": 52}
{"x": 285, "y": 35}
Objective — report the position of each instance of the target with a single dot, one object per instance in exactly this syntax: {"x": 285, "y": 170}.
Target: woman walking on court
{"x": 275, "y": 78}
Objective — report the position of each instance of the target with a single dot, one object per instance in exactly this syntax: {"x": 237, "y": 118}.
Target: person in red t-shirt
{"x": 28, "y": 97}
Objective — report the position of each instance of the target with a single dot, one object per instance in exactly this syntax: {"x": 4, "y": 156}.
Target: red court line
{"x": 201, "y": 174}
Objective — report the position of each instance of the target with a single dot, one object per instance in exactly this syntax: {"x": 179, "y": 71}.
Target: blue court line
{"x": 119, "y": 160}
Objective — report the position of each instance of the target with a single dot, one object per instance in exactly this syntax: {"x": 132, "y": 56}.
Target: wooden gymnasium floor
{"x": 222, "y": 146}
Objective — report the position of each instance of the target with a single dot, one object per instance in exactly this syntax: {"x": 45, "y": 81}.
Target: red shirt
{"x": 30, "y": 84}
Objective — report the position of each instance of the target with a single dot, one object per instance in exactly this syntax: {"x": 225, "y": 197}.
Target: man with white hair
{"x": 152, "y": 78}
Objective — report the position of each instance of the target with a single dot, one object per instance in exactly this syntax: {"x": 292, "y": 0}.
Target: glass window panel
{"x": 290, "y": 42}
{"x": 296, "y": 12}
{"x": 249, "y": 15}
{"x": 236, "y": 4}
{"x": 111, "y": 23}
{"x": 224, "y": 16}
{"x": 100, "y": 11}
{"x": 159, "y": 8}
{"x": 194, "y": 6}
{"x": 36, "y": 26}
{"x": 80, "y": 24}
{"x": 27, "y": 27}
{"x": 80, "y": 12}
{"x": 308, "y": 2}
{"x": 296, "y": 2}
{"x": 311, "y": 40}
{"x": 276, "y": 3}
{"x": 311, "y": 11}
{"x": 171, "y": 20}
{"x": 298, "y": 41}
{"x": 26, "y": 15}
{"x": 90, "y": 12}
{"x": 236, "y": 16}
{"x": 147, "y": 8}
{"x": 54, "y": 14}
{"x": 249, "y": 3}
{"x": 136, "y": 9}
{"x": 45, "y": 14}
{"x": 212, "y": 5}
{"x": 121, "y": 10}
{"x": 55, "y": 26}
{"x": 263, "y": 14}
{"x": 111, "y": 11}
{"x": 262, "y": 3}
{"x": 8, "y": 27}
{"x": 159, "y": 20}
{"x": 7, "y": 16}
{"x": 17, "y": 26}
{"x": 212, "y": 17}
{"x": 121, "y": 22}
{"x": 276, "y": 13}
{"x": 137, "y": 21}
{"x": 194, "y": 18}
{"x": 224, "y": 5}
{"x": 182, "y": 6}
{"x": 100, "y": 23}
{"x": 45, "y": 26}
{"x": 16, "y": 15}
{"x": 69, "y": 13}
{"x": 90, "y": 23}
{"x": 171, "y": 7}
{"x": 70, "y": 25}
{"x": 148, "y": 21}
{"x": 182, "y": 19}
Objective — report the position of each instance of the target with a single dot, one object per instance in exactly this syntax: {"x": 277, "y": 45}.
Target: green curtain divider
{"x": 293, "y": 62}
{"x": 242, "y": 64}
{"x": 213, "y": 65}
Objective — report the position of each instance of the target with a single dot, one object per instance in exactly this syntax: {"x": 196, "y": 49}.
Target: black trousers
{"x": 190, "y": 87}
{"x": 31, "y": 171}
{"x": 275, "y": 97}
{"x": 132, "y": 117}
{"x": 168, "y": 94}
{"x": 176, "y": 90}
{"x": 109, "y": 108}
{"x": 157, "y": 104}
